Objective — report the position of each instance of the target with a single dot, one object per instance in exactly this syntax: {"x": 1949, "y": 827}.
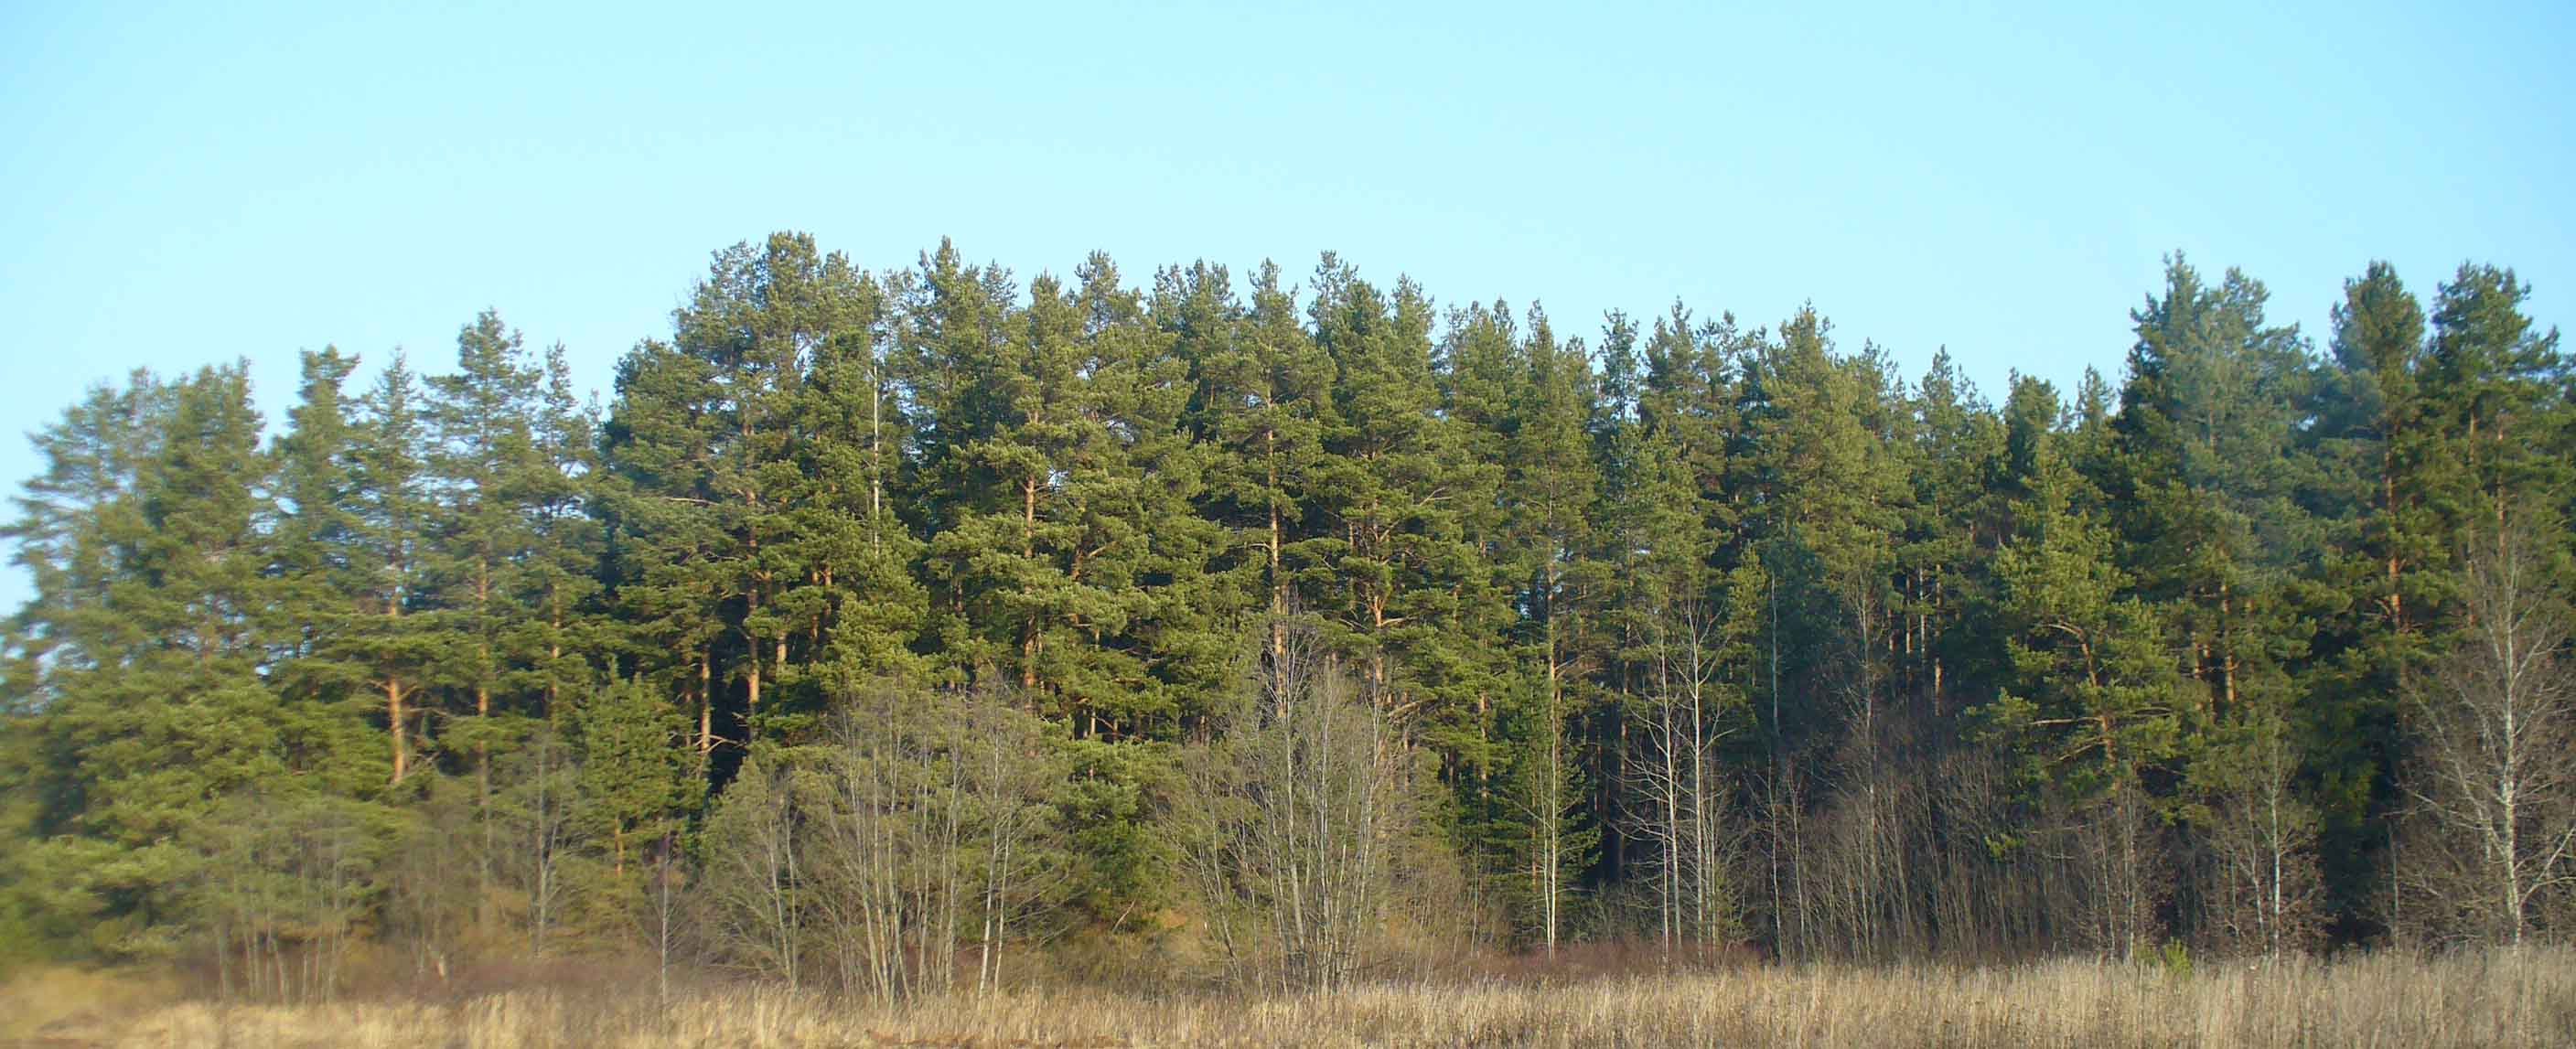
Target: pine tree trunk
{"x": 706, "y": 704}
{"x": 1278, "y": 584}
{"x": 1029, "y": 552}
{"x": 394, "y": 713}
{"x": 751, "y": 670}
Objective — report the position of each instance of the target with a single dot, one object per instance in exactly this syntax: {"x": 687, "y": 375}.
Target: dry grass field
{"x": 2383, "y": 1000}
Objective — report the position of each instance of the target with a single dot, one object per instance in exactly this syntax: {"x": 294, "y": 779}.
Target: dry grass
{"x": 2383, "y": 1000}
{"x": 39, "y": 1001}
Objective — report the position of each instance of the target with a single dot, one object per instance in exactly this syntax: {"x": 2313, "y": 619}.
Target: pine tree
{"x": 2218, "y": 524}
{"x": 151, "y": 705}
{"x": 1265, "y": 405}
{"x": 560, "y": 578}
{"x": 1836, "y": 486}
{"x": 2378, "y": 345}
{"x": 663, "y": 528}
{"x": 1951, "y": 530}
{"x": 1550, "y": 492}
{"x": 1402, "y": 564}
{"x": 1825, "y": 434}
{"x": 866, "y": 606}
{"x": 2065, "y": 672}
{"x": 316, "y": 567}
{"x": 2208, "y": 479}
{"x": 638, "y": 776}
{"x": 486, "y": 466}
{"x": 2495, "y": 385}
{"x": 756, "y": 322}
{"x": 2093, "y": 702}
{"x": 1146, "y": 536}
{"x": 1692, "y": 574}
{"x": 1024, "y": 536}
{"x": 391, "y": 634}
{"x": 2375, "y": 440}
{"x": 957, "y": 348}
{"x": 708, "y": 435}
{"x": 316, "y": 526}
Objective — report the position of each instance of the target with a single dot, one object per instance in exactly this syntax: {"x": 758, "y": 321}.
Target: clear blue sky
{"x": 186, "y": 183}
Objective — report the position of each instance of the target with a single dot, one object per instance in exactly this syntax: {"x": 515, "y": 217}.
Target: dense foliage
{"x": 884, "y": 620}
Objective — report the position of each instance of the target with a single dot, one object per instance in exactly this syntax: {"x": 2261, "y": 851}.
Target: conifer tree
{"x": 147, "y": 531}
{"x": 707, "y": 435}
{"x": 1551, "y": 489}
{"x": 2208, "y": 480}
{"x": 2379, "y": 449}
{"x": 316, "y": 567}
{"x": 315, "y": 560}
{"x": 1266, "y": 406}
{"x": 664, "y": 531}
{"x": 1021, "y": 540}
{"x": 390, "y": 634}
{"x": 756, "y": 322}
{"x": 1824, "y": 430}
{"x": 1951, "y": 529}
{"x": 2495, "y": 384}
{"x": 561, "y": 576}
{"x": 1401, "y": 563}
{"x": 2378, "y": 346}
{"x": 2093, "y": 702}
{"x": 637, "y": 776}
{"x": 1977, "y": 678}
{"x": 1140, "y": 545}
{"x": 2217, "y": 518}
{"x": 866, "y": 605}
{"x": 956, "y": 346}
{"x": 486, "y": 467}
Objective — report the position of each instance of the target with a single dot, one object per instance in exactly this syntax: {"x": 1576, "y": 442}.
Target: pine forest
{"x": 943, "y": 628}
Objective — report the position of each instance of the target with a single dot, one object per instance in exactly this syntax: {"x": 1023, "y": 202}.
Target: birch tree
{"x": 2494, "y": 780}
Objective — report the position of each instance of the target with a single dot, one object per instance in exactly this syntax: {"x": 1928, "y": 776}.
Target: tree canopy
{"x": 1694, "y": 630}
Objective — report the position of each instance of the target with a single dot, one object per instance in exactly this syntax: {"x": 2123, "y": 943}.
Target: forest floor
{"x": 2497, "y": 999}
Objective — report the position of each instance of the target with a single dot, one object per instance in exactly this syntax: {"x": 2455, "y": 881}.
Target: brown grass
{"x": 2380, "y": 1000}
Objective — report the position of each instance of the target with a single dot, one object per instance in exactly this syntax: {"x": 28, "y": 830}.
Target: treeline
{"x": 889, "y": 627}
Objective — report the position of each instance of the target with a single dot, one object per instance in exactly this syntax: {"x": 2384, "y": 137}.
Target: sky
{"x": 186, "y": 184}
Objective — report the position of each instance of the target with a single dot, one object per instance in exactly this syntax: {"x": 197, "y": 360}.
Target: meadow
{"x": 2499, "y": 998}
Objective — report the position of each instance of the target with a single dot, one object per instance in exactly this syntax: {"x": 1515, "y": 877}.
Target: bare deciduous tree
{"x": 664, "y": 901}
{"x": 536, "y": 817}
{"x": 753, "y": 895}
{"x": 2121, "y": 868}
{"x": 2261, "y": 838}
{"x": 1291, "y": 825}
{"x": 284, "y": 882}
{"x": 2494, "y": 778}
{"x": 931, "y": 832}
{"x": 1684, "y": 815}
